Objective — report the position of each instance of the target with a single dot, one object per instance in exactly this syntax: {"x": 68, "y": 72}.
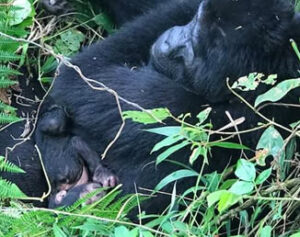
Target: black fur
{"x": 165, "y": 78}
{"x": 122, "y": 62}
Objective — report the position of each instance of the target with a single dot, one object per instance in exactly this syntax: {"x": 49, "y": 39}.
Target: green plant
{"x": 15, "y": 17}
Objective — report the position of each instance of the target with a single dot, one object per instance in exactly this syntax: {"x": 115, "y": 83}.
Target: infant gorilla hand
{"x": 105, "y": 177}
{"x": 67, "y": 198}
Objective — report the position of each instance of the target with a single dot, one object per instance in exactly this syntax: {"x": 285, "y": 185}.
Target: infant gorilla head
{"x": 72, "y": 167}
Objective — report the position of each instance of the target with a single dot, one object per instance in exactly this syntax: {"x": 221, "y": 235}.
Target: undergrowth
{"x": 248, "y": 198}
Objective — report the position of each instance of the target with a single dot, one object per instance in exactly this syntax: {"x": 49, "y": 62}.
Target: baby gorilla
{"x": 72, "y": 163}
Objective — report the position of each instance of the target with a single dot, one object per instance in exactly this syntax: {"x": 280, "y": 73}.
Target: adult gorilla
{"x": 178, "y": 56}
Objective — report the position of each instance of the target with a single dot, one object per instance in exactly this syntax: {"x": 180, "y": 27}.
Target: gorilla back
{"x": 178, "y": 56}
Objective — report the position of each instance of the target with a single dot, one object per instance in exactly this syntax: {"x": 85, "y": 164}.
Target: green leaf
{"x": 272, "y": 143}
{"x": 69, "y": 42}
{"x": 295, "y": 124}
{"x": 296, "y": 235}
{"x": 227, "y": 200}
{"x": 229, "y": 145}
{"x": 179, "y": 174}
{"x": 203, "y": 115}
{"x": 166, "y": 131}
{"x": 167, "y": 142}
{"x": 58, "y": 232}
{"x": 266, "y": 231}
{"x": 212, "y": 181}
{"x": 7, "y": 118}
{"x": 245, "y": 170}
{"x": 249, "y": 82}
{"x": 10, "y": 190}
{"x": 199, "y": 151}
{"x": 263, "y": 176}
{"x": 227, "y": 184}
{"x": 170, "y": 151}
{"x": 278, "y": 92}
{"x": 19, "y": 14}
{"x": 294, "y": 44}
{"x": 242, "y": 187}
{"x": 122, "y": 231}
{"x": 215, "y": 197}
{"x": 147, "y": 118}
{"x": 104, "y": 21}
{"x": 6, "y": 166}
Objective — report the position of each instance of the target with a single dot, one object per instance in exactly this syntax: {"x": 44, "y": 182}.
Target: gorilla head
{"x": 228, "y": 39}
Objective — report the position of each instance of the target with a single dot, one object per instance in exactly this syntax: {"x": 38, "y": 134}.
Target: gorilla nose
{"x": 175, "y": 43}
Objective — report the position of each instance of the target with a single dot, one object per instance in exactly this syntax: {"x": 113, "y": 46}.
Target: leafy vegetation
{"x": 248, "y": 198}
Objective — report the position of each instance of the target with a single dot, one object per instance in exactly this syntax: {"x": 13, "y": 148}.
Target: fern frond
{"x": 10, "y": 190}
{"x": 14, "y": 30}
{"x": 5, "y": 83}
{"x": 7, "y": 109}
{"x": 7, "y": 41}
{"x": 7, "y": 166}
{"x": 6, "y": 70}
{"x": 7, "y": 118}
{"x": 6, "y": 56}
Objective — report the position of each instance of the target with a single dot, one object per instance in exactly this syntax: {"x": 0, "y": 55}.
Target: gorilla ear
{"x": 295, "y": 27}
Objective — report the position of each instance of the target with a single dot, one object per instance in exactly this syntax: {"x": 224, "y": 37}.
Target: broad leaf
{"x": 227, "y": 200}
{"x": 245, "y": 170}
{"x": 278, "y": 92}
{"x": 271, "y": 143}
{"x": 242, "y": 187}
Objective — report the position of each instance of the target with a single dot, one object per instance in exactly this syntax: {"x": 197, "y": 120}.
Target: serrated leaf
{"x": 242, "y": 187}
{"x": 170, "y": 151}
{"x": 6, "y": 166}
{"x": 278, "y": 92}
{"x": 245, "y": 170}
{"x": 10, "y": 190}
{"x": 263, "y": 176}
{"x": 179, "y": 174}
{"x": 147, "y": 118}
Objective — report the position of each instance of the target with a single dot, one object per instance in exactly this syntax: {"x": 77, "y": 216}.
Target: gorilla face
{"x": 197, "y": 54}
